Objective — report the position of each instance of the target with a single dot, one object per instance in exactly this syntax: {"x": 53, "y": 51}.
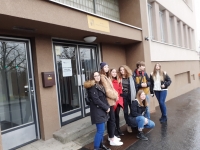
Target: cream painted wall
{"x": 180, "y": 10}
{"x": 166, "y": 52}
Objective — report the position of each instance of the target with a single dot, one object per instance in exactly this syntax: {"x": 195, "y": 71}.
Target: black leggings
{"x": 111, "y": 123}
{"x": 117, "y": 110}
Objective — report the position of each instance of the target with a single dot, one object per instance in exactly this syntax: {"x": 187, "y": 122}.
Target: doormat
{"x": 128, "y": 139}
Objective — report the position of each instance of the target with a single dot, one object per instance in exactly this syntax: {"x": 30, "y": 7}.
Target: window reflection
{"x": 15, "y": 107}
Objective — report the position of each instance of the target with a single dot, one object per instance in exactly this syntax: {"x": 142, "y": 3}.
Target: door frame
{"x": 77, "y": 44}
{"x": 33, "y": 97}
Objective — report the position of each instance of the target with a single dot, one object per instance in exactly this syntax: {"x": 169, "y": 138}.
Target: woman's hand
{"x": 163, "y": 86}
{"x": 108, "y": 110}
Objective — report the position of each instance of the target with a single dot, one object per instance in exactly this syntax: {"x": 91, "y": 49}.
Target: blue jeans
{"x": 99, "y": 135}
{"x": 161, "y": 97}
{"x": 140, "y": 121}
{"x": 147, "y": 114}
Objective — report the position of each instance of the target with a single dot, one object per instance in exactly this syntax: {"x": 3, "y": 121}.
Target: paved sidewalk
{"x": 182, "y": 132}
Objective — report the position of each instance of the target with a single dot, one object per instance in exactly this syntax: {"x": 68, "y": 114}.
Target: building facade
{"x": 43, "y": 41}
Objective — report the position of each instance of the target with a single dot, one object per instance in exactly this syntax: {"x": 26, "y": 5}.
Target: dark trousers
{"x": 127, "y": 103}
{"x": 111, "y": 123}
{"x": 117, "y": 129}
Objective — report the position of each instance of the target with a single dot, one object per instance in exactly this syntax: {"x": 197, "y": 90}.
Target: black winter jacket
{"x": 167, "y": 81}
{"x": 98, "y": 105}
{"x": 136, "y": 110}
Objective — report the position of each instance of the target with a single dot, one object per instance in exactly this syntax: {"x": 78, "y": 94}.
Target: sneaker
{"x": 115, "y": 138}
{"x": 116, "y": 143}
{"x": 129, "y": 129}
{"x": 141, "y": 136}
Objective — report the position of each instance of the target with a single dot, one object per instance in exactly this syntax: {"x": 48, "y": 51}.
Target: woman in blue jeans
{"x": 138, "y": 116}
{"x": 99, "y": 108}
{"x": 159, "y": 83}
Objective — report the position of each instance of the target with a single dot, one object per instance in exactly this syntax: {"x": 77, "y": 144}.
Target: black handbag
{"x": 87, "y": 99}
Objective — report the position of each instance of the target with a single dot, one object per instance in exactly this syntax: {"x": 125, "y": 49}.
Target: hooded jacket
{"x": 111, "y": 93}
{"x": 98, "y": 104}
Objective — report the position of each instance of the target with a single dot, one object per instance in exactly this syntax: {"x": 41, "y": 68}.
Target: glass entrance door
{"x": 74, "y": 64}
{"x": 17, "y": 97}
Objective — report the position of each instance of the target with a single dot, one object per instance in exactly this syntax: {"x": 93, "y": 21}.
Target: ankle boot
{"x": 163, "y": 119}
{"x": 141, "y": 136}
{"x": 103, "y": 147}
{"x": 120, "y": 132}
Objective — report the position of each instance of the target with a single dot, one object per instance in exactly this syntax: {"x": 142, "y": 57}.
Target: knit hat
{"x": 102, "y": 64}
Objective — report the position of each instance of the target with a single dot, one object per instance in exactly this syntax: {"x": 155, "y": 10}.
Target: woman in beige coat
{"x": 111, "y": 96}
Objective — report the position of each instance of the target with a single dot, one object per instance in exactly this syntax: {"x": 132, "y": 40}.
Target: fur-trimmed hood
{"x": 88, "y": 84}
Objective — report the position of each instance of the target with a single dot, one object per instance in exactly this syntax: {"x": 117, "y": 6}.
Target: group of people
{"x": 112, "y": 89}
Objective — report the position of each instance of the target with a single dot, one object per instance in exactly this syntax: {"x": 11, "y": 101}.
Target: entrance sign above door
{"x": 98, "y": 24}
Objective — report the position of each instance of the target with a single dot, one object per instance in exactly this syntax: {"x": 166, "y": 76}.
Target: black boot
{"x": 141, "y": 136}
{"x": 163, "y": 119}
{"x": 104, "y": 147}
{"x": 120, "y": 132}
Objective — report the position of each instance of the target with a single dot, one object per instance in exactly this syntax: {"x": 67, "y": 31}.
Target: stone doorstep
{"x": 89, "y": 137}
{"x": 81, "y": 131}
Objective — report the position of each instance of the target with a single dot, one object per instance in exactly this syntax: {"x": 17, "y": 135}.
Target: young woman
{"x": 116, "y": 81}
{"x": 128, "y": 89}
{"x": 138, "y": 116}
{"x": 99, "y": 107}
{"x": 159, "y": 83}
{"x": 112, "y": 96}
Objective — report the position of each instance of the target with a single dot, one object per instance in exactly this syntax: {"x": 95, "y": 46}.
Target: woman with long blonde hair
{"x": 128, "y": 90}
{"x": 160, "y": 81}
{"x": 138, "y": 116}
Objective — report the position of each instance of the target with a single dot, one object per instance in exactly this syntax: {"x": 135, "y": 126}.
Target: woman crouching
{"x": 138, "y": 116}
{"x": 99, "y": 107}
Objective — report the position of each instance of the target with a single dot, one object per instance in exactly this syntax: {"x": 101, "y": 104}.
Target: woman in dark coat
{"x": 99, "y": 107}
{"x": 138, "y": 116}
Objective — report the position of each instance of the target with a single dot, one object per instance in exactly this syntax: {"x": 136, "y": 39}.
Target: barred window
{"x": 105, "y": 8}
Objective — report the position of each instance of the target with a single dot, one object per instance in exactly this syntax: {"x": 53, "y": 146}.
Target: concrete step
{"x": 81, "y": 131}
{"x": 89, "y": 137}
{"x": 74, "y": 130}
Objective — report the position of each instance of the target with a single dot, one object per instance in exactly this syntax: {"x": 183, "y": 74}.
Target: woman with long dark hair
{"x": 128, "y": 89}
{"x": 160, "y": 81}
{"x": 111, "y": 96}
{"x": 117, "y": 84}
{"x": 99, "y": 107}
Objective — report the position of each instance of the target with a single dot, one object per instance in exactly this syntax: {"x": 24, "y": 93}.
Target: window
{"x": 150, "y": 20}
{"x": 172, "y": 29}
{"x": 162, "y": 26}
{"x": 179, "y": 33}
{"x": 105, "y": 8}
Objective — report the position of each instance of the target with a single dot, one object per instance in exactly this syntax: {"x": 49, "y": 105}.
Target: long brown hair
{"x": 104, "y": 73}
{"x": 161, "y": 73}
{"x": 128, "y": 71}
{"x": 117, "y": 77}
{"x": 141, "y": 102}
{"x": 92, "y": 77}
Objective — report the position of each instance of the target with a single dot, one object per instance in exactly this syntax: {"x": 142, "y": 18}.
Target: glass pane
{"x": 68, "y": 77}
{"x": 88, "y": 62}
{"x": 15, "y": 107}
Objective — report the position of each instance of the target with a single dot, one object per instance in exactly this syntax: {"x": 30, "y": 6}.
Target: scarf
{"x": 132, "y": 88}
